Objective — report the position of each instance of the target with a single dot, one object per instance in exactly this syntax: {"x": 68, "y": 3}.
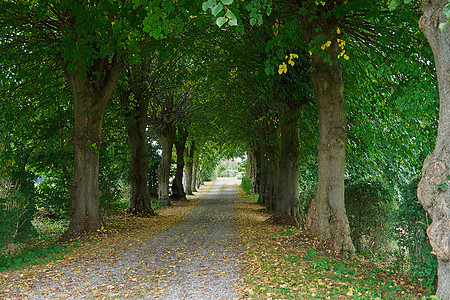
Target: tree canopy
{"x": 319, "y": 96}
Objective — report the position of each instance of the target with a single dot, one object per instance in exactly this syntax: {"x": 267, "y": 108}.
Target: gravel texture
{"x": 195, "y": 259}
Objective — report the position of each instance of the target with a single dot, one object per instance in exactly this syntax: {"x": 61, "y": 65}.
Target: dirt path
{"x": 195, "y": 259}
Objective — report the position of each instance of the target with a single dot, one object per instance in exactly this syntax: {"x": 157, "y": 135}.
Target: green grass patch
{"x": 40, "y": 249}
{"x": 34, "y": 256}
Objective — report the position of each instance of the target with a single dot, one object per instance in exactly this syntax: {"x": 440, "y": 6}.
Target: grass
{"x": 40, "y": 249}
{"x": 287, "y": 263}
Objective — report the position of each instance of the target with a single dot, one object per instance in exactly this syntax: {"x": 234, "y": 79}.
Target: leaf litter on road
{"x": 276, "y": 262}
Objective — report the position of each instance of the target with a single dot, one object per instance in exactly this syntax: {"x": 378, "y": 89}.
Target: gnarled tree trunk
{"x": 91, "y": 94}
{"x": 327, "y": 217}
{"x": 140, "y": 202}
{"x": 287, "y": 205}
{"x": 434, "y": 188}
{"x": 177, "y": 185}
{"x": 166, "y": 137}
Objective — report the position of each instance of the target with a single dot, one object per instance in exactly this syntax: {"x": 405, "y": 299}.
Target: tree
{"x": 189, "y": 163}
{"x": 180, "y": 146}
{"x": 433, "y": 192}
{"x": 135, "y": 98}
{"x": 87, "y": 40}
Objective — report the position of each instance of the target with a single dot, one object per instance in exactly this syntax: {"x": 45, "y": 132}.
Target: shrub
{"x": 247, "y": 187}
{"x": 53, "y": 195}
{"x": 370, "y": 212}
{"x": 246, "y": 184}
{"x": 209, "y": 174}
{"x": 415, "y": 249}
{"x": 16, "y": 214}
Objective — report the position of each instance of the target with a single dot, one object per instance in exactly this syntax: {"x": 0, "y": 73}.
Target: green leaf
{"x": 447, "y": 10}
{"x": 393, "y": 4}
{"x": 442, "y": 26}
{"x": 231, "y": 15}
{"x": 217, "y": 9}
{"x": 227, "y": 2}
{"x": 442, "y": 186}
{"x": 208, "y": 4}
{"x": 220, "y": 21}
{"x": 233, "y": 22}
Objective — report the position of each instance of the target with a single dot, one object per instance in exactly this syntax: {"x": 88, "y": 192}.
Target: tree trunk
{"x": 327, "y": 217}
{"x": 177, "y": 185}
{"x": 434, "y": 187}
{"x": 287, "y": 205}
{"x": 270, "y": 148}
{"x": 258, "y": 166}
{"x": 251, "y": 163}
{"x": 189, "y": 168}
{"x": 167, "y": 138}
{"x": 91, "y": 94}
{"x": 194, "y": 175}
{"x": 268, "y": 195}
{"x": 140, "y": 202}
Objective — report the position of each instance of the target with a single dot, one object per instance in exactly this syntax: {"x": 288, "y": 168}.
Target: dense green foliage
{"x": 16, "y": 213}
{"x": 370, "y": 210}
{"x": 415, "y": 250}
{"x": 232, "y": 86}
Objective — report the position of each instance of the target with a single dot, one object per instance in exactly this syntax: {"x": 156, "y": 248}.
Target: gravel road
{"x": 203, "y": 251}
{"x": 195, "y": 259}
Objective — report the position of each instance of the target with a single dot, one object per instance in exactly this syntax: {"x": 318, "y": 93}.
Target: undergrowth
{"x": 247, "y": 187}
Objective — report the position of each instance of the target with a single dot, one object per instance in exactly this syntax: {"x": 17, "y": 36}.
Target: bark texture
{"x": 436, "y": 167}
{"x": 287, "y": 206}
{"x": 90, "y": 95}
{"x": 167, "y": 138}
{"x": 177, "y": 185}
{"x": 327, "y": 217}
{"x": 140, "y": 201}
